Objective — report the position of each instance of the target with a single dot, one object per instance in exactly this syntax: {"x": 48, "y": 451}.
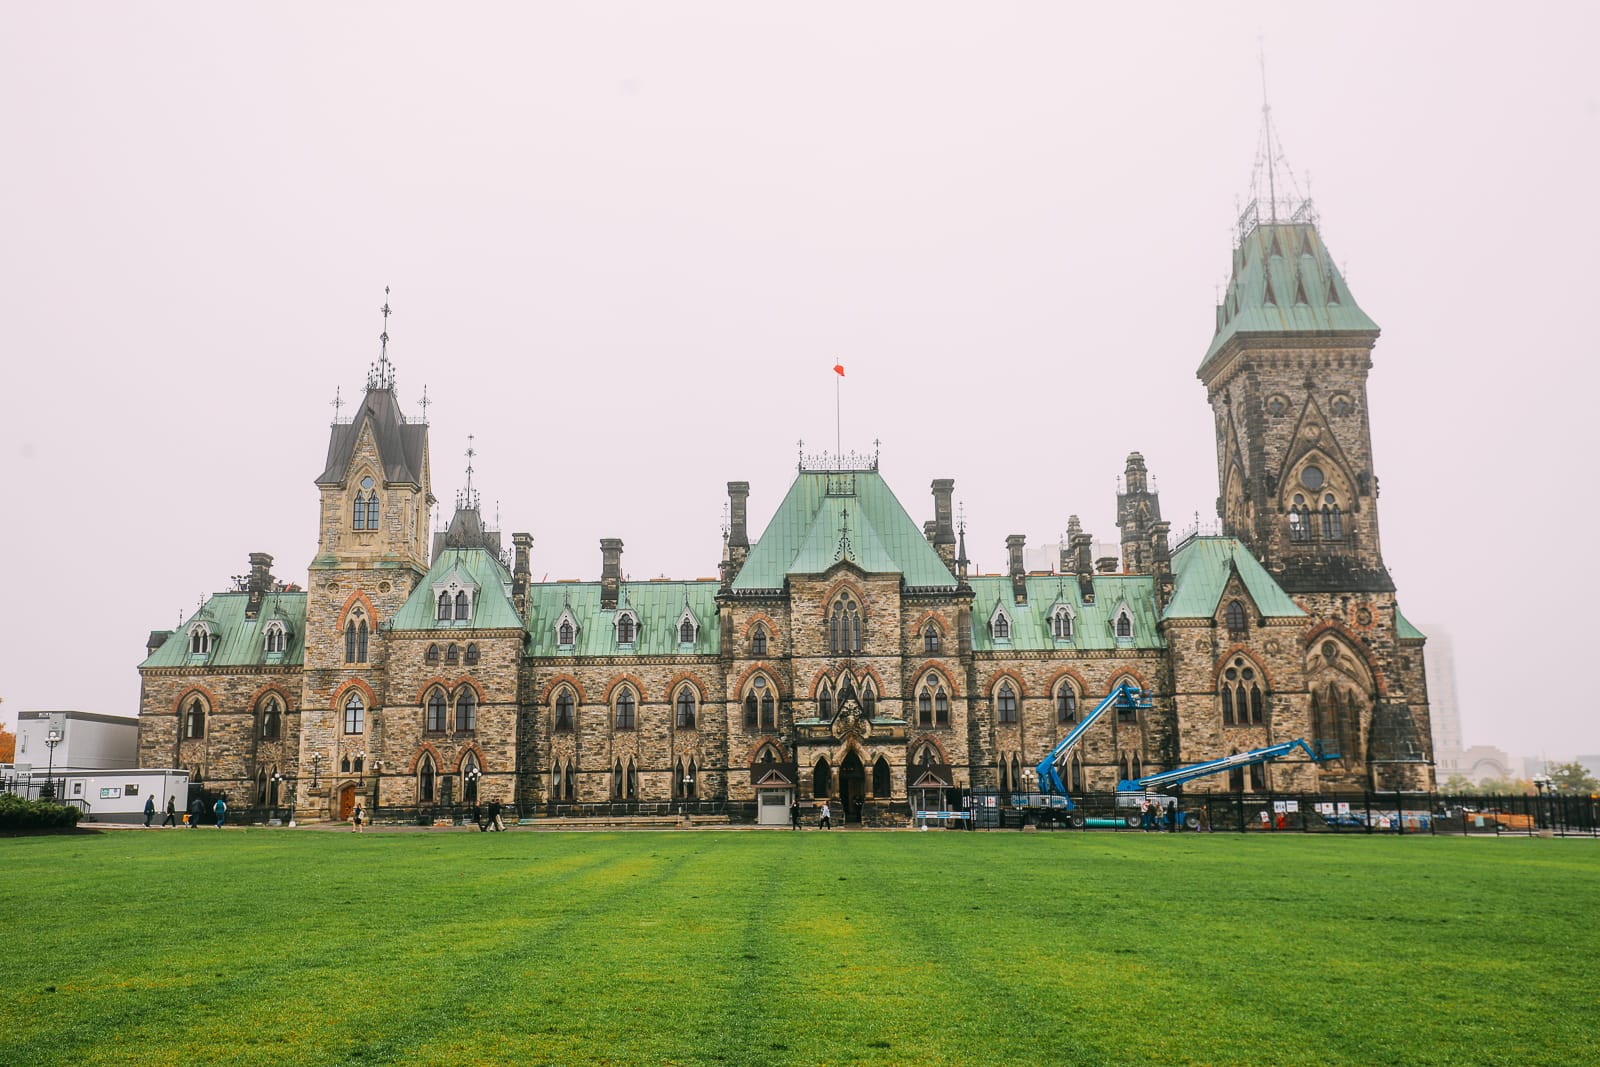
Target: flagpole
{"x": 838, "y": 434}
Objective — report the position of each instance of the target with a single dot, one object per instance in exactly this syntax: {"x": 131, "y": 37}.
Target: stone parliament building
{"x": 846, "y": 652}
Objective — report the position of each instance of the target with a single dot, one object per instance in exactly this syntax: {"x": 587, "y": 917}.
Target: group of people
{"x": 1153, "y": 817}
{"x": 197, "y": 811}
{"x": 824, "y": 815}
{"x": 488, "y": 818}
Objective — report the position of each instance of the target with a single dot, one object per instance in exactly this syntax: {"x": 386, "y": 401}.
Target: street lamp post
{"x": 51, "y": 740}
{"x": 1541, "y": 784}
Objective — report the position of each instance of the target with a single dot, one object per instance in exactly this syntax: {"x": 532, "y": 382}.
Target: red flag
{"x": 838, "y": 368}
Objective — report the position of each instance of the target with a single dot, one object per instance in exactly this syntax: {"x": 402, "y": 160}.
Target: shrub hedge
{"x": 19, "y": 814}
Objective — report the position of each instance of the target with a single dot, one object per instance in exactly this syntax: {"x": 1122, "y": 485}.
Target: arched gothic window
{"x": 758, "y": 641}
{"x": 1000, "y": 626}
{"x": 1066, "y": 703}
{"x": 1332, "y": 521}
{"x": 751, "y": 711}
{"x": 435, "y": 723}
{"x": 769, "y": 711}
{"x": 1005, "y": 703}
{"x": 276, "y": 638}
{"x": 1124, "y": 624}
{"x": 194, "y": 720}
{"x": 881, "y": 778}
{"x": 625, "y": 710}
{"x": 452, "y": 655}
{"x": 1242, "y": 700}
{"x": 564, "y": 633}
{"x": 426, "y": 776}
{"x": 467, "y": 711}
{"x": 432, "y": 655}
{"x": 625, "y": 629}
{"x": 355, "y": 714}
{"x": 271, "y": 719}
{"x": 563, "y": 718}
{"x": 199, "y": 640}
{"x": 364, "y": 513}
{"x": 869, "y": 701}
{"x": 686, "y": 631}
{"x": 844, "y": 626}
{"x": 825, "y": 702}
{"x": 1236, "y": 618}
{"x": 686, "y": 716}
{"x": 463, "y": 606}
{"x": 930, "y": 639}
{"x": 1299, "y": 519}
{"x": 933, "y": 702}
{"x": 355, "y": 638}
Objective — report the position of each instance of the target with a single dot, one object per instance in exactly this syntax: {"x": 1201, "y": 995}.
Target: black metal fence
{"x": 1548, "y": 815}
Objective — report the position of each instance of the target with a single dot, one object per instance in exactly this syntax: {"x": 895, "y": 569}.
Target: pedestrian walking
{"x": 495, "y": 822}
{"x": 172, "y": 813}
{"x": 1172, "y": 816}
{"x": 221, "y": 809}
{"x": 794, "y": 814}
{"x": 357, "y": 817}
{"x": 149, "y": 810}
{"x": 825, "y": 820}
{"x": 197, "y": 811}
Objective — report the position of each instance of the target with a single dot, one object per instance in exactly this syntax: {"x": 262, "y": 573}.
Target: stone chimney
{"x": 1161, "y": 564}
{"x": 610, "y": 571}
{"x": 523, "y": 544}
{"x": 943, "y": 536}
{"x": 1083, "y": 565}
{"x": 738, "y": 532}
{"x": 1019, "y": 577}
{"x": 1107, "y": 564}
{"x": 1074, "y": 528}
{"x": 259, "y": 584}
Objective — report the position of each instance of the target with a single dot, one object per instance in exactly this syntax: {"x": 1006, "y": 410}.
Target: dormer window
{"x": 453, "y": 597}
{"x": 199, "y": 639}
{"x": 1000, "y": 625}
{"x": 1124, "y": 625}
{"x": 688, "y": 626}
{"x": 627, "y": 628}
{"x": 1061, "y": 623}
{"x": 566, "y": 630}
{"x": 277, "y": 638}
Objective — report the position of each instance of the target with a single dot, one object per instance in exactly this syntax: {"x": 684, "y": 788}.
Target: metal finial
{"x": 382, "y": 373}
{"x": 470, "y": 498}
{"x": 336, "y": 403}
{"x": 844, "y": 535}
{"x": 424, "y": 402}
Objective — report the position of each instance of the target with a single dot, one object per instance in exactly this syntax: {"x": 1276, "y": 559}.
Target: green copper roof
{"x": 658, "y": 607}
{"x": 1200, "y": 570}
{"x": 1284, "y": 281}
{"x": 236, "y": 640}
{"x": 1403, "y": 628}
{"x": 824, "y": 509}
{"x": 1093, "y": 625}
{"x": 491, "y": 607}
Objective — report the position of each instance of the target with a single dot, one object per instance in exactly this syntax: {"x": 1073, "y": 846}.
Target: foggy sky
{"x": 628, "y": 242}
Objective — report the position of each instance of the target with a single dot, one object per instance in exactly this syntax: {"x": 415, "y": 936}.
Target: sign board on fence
{"x": 1344, "y": 807}
{"x": 1291, "y": 805}
{"x": 1280, "y": 806}
{"x": 1324, "y": 808}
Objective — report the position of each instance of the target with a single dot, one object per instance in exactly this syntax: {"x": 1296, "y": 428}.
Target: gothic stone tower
{"x": 1286, "y": 375}
{"x": 372, "y": 550}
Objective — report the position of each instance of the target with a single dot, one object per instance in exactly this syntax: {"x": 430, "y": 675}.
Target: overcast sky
{"x": 627, "y": 242}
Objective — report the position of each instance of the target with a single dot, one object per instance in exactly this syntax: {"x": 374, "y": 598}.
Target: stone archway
{"x": 852, "y": 787}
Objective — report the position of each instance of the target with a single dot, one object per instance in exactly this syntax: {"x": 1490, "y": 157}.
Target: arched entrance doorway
{"x": 852, "y": 787}
{"x": 347, "y": 801}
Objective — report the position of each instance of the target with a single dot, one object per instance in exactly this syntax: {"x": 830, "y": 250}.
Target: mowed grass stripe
{"x": 941, "y": 948}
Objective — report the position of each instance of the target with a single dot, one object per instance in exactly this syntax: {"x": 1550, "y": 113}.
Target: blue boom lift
{"x": 1052, "y": 799}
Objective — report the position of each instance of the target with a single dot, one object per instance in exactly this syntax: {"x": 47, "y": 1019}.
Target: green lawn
{"x": 297, "y": 946}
